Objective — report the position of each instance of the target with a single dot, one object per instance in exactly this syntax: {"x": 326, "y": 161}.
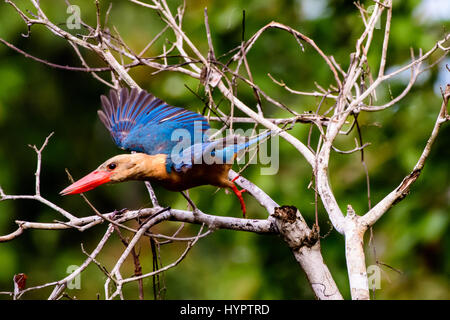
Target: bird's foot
{"x": 235, "y": 178}
{"x": 239, "y": 193}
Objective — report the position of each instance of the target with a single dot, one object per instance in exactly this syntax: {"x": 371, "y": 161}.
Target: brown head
{"x": 124, "y": 167}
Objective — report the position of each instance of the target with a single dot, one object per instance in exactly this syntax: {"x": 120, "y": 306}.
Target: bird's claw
{"x": 235, "y": 178}
{"x": 238, "y": 193}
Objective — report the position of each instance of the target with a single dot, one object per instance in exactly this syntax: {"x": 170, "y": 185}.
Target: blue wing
{"x": 138, "y": 121}
{"x": 218, "y": 151}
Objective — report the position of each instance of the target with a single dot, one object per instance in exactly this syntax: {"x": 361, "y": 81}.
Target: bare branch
{"x": 403, "y": 189}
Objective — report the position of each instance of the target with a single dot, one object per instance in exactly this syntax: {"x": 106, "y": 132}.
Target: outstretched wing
{"x": 219, "y": 151}
{"x": 138, "y": 121}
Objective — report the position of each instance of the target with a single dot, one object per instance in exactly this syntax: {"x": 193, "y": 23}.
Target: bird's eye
{"x": 111, "y": 166}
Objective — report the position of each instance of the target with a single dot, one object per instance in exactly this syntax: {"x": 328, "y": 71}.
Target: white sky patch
{"x": 442, "y": 79}
{"x": 431, "y": 11}
{"x": 443, "y": 76}
{"x": 405, "y": 76}
{"x": 313, "y": 9}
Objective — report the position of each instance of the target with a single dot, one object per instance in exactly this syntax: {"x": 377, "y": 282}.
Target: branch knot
{"x": 294, "y": 229}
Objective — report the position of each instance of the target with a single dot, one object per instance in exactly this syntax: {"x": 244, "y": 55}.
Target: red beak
{"x": 89, "y": 182}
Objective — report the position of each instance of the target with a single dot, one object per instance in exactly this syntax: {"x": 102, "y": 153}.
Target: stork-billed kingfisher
{"x": 140, "y": 122}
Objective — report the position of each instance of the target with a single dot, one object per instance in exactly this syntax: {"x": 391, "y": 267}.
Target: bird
{"x": 169, "y": 145}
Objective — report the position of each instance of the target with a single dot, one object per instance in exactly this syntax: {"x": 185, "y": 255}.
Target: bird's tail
{"x": 229, "y": 152}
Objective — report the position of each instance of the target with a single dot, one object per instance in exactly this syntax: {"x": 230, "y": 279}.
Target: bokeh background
{"x": 413, "y": 237}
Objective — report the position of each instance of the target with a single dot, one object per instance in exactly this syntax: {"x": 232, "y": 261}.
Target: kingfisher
{"x": 170, "y": 146}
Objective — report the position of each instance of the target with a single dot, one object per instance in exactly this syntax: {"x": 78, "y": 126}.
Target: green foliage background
{"x": 35, "y": 100}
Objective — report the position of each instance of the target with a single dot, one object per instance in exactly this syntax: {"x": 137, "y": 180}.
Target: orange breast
{"x": 153, "y": 168}
{"x": 199, "y": 174}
